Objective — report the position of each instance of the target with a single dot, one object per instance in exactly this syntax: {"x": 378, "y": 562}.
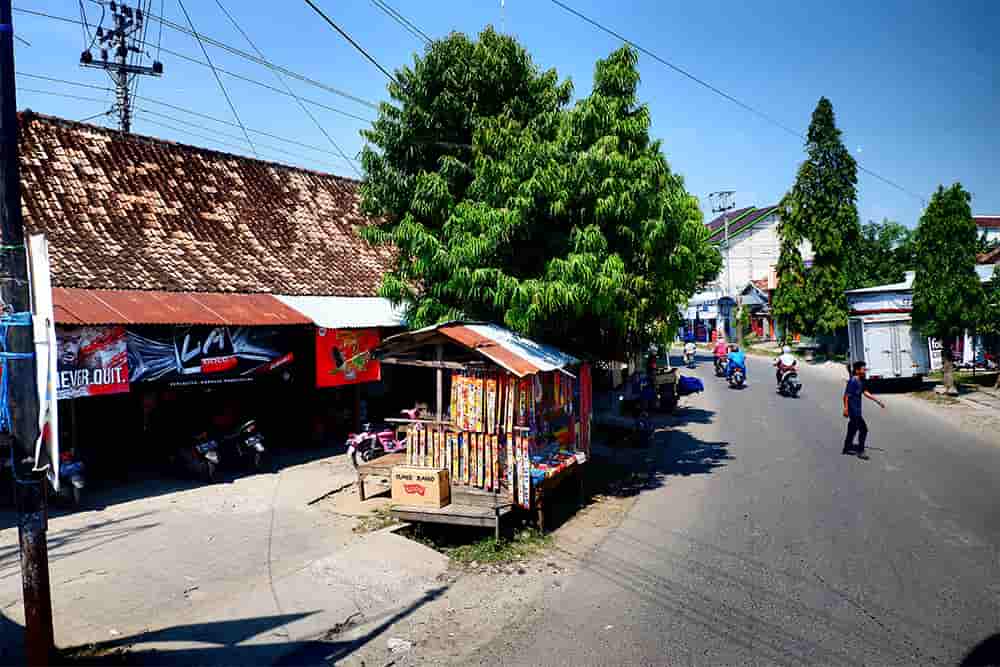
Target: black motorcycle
{"x": 199, "y": 458}
{"x": 246, "y": 445}
{"x": 789, "y": 384}
{"x": 737, "y": 378}
{"x": 720, "y": 366}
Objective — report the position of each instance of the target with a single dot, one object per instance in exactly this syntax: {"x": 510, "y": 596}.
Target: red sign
{"x": 415, "y": 489}
{"x": 342, "y": 357}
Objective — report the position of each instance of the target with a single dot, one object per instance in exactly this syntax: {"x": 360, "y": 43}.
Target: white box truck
{"x": 880, "y": 332}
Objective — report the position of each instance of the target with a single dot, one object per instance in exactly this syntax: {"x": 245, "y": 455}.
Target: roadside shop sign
{"x": 91, "y": 361}
{"x": 203, "y": 355}
{"x": 342, "y": 357}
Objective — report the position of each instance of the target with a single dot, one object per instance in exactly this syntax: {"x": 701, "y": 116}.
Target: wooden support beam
{"x": 453, "y": 365}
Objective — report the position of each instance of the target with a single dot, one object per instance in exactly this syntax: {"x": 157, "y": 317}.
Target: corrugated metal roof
{"x": 512, "y": 352}
{"x": 83, "y": 306}
{"x": 346, "y": 312}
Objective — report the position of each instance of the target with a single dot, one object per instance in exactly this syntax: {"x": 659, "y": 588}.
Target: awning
{"x": 516, "y": 354}
{"x": 84, "y": 306}
{"x": 346, "y": 312}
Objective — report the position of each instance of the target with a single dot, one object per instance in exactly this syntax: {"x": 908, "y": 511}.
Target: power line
{"x": 242, "y": 54}
{"x": 218, "y": 79}
{"x": 177, "y": 120}
{"x": 353, "y": 43}
{"x": 408, "y": 25}
{"x": 236, "y": 147}
{"x": 302, "y": 106}
{"x": 716, "y": 90}
{"x": 65, "y": 81}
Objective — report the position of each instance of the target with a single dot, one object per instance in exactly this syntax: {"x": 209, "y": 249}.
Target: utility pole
{"x": 19, "y": 370}
{"x": 722, "y": 202}
{"x": 121, "y": 42}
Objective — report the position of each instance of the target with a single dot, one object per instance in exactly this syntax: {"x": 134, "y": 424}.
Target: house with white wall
{"x": 753, "y": 246}
{"x": 988, "y": 225}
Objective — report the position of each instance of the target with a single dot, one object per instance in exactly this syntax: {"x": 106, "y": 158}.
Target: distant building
{"x": 988, "y": 225}
{"x": 748, "y": 241}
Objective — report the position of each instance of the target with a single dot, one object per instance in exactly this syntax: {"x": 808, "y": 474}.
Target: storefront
{"x": 511, "y": 417}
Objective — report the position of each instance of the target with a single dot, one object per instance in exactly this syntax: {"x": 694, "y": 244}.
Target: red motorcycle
{"x": 373, "y": 442}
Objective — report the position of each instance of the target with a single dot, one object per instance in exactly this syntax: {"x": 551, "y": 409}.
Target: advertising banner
{"x": 201, "y": 355}
{"x": 342, "y": 357}
{"x": 91, "y": 361}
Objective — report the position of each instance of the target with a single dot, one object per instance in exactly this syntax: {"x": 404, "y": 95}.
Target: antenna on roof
{"x": 125, "y": 42}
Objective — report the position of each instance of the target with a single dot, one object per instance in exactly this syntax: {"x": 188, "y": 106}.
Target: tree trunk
{"x": 948, "y": 367}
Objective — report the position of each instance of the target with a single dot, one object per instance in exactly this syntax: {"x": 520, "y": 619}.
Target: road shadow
{"x": 226, "y": 642}
{"x": 70, "y": 541}
{"x": 159, "y": 481}
{"x": 985, "y": 654}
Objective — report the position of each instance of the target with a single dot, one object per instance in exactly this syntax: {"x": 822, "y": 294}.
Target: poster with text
{"x": 91, "y": 361}
{"x": 203, "y": 355}
{"x": 342, "y": 357}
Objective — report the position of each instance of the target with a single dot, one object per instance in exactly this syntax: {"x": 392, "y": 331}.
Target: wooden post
{"x": 439, "y": 373}
{"x": 357, "y": 408}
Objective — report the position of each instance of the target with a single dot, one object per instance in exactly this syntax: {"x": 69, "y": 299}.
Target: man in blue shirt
{"x": 737, "y": 359}
{"x": 853, "y": 393}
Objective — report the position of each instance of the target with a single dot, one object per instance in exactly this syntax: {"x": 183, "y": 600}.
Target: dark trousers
{"x": 856, "y": 424}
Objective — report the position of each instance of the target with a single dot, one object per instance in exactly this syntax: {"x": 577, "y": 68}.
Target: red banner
{"x": 342, "y": 357}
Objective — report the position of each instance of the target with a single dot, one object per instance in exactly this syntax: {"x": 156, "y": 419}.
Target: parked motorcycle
{"x": 720, "y": 366}
{"x": 789, "y": 384}
{"x": 71, "y": 477}
{"x": 689, "y": 359}
{"x": 372, "y": 443}
{"x": 200, "y": 458}
{"x": 246, "y": 445}
{"x": 737, "y": 378}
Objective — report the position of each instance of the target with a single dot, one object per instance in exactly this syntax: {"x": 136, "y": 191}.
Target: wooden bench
{"x": 469, "y": 507}
{"x": 380, "y": 468}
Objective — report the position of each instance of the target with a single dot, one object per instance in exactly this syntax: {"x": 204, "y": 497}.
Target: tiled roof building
{"x": 137, "y": 213}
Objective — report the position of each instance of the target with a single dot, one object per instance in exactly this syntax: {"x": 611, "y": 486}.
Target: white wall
{"x": 752, "y": 254}
{"x": 992, "y": 233}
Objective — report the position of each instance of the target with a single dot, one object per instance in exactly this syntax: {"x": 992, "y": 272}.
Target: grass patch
{"x": 454, "y": 543}
{"x": 380, "y": 518}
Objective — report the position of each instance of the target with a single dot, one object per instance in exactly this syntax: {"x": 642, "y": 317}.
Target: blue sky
{"x": 915, "y": 84}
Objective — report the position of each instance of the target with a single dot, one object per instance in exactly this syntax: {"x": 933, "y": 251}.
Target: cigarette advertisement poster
{"x": 91, "y": 361}
{"x": 342, "y": 357}
{"x": 201, "y": 355}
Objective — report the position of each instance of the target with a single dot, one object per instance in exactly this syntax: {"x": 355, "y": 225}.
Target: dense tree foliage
{"x": 883, "y": 255}
{"x": 822, "y": 208}
{"x": 565, "y": 223}
{"x": 790, "y": 301}
{"x": 947, "y": 293}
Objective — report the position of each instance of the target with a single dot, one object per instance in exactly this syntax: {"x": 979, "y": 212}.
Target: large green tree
{"x": 822, "y": 208}
{"x": 989, "y": 323}
{"x": 566, "y": 224}
{"x": 947, "y": 293}
{"x": 790, "y": 302}
{"x": 883, "y": 255}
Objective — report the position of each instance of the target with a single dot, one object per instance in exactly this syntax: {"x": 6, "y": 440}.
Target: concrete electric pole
{"x": 19, "y": 418}
{"x": 118, "y": 45}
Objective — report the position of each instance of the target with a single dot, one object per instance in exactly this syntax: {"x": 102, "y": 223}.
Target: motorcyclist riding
{"x": 785, "y": 362}
{"x": 720, "y": 348}
{"x": 689, "y": 351}
{"x": 737, "y": 359}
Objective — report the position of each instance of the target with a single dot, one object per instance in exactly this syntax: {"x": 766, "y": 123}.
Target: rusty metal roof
{"x": 512, "y": 352}
{"x": 83, "y": 306}
{"x": 138, "y": 213}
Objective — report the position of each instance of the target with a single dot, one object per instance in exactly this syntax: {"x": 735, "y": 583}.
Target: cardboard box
{"x": 421, "y": 487}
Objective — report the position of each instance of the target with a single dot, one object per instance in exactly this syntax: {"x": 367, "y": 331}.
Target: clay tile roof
{"x": 746, "y": 219}
{"x": 991, "y": 257}
{"x": 137, "y": 213}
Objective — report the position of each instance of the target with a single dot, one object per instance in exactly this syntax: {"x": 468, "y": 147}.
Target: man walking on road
{"x": 852, "y": 410}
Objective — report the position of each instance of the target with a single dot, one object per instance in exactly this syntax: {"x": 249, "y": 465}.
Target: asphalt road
{"x": 758, "y": 543}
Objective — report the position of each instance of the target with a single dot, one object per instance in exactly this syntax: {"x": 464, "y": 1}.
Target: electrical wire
{"x": 218, "y": 79}
{"x": 22, "y": 40}
{"x": 175, "y": 107}
{"x": 65, "y": 81}
{"x": 284, "y": 83}
{"x": 159, "y": 37}
{"x": 353, "y": 43}
{"x": 407, "y": 25}
{"x": 237, "y": 147}
{"x": 96, "y": 115}
{"x": 718, "y": 91}
{"x": 242, "y": 54}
